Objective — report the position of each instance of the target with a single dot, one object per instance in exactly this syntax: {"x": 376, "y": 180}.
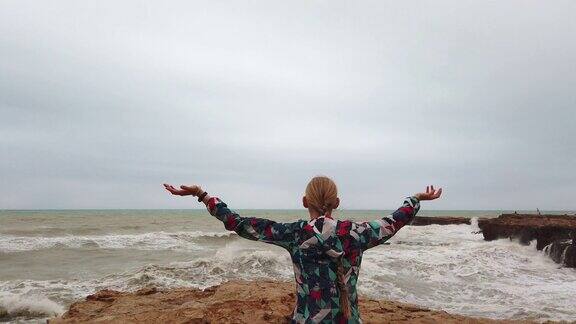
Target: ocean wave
{"x": 144, "y": 241}
{"x": 452, "y": 268}
{"x": 233, "y": 261}
{"x": 40, "y": 299}
{"x": 23, "y": 306}
{"x": 229, "y": 262}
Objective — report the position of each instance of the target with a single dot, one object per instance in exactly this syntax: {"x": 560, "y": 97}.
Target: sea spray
{"x": 558, "y": 251}
{"x": 15, "y": 306}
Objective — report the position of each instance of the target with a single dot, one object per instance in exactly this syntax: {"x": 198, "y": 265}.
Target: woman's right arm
{"x": 252, "y": 228}
{"x": 373, "y": 233}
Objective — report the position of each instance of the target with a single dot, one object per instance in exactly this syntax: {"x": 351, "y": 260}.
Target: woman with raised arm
{"x": 326, "y": 253}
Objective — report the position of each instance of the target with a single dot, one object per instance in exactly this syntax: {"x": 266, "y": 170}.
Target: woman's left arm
{"x": 373, "y": 233}
{"x": 252, "y": 228}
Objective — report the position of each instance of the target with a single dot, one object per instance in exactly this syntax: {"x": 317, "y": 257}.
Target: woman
{"x": 326, "y": 253}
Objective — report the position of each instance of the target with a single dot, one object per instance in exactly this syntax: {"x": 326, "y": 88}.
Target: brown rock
{"x": 104, "y": 295}
{"x": 545, "y": 229}
{"x": 234, "y": 302}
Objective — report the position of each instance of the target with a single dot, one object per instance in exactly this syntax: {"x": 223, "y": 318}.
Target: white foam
{"x": 233, "y": 261}
{"x": 144, "y": 241}
{"x": 452, "y": 268}
{"x": 23, "y": 305}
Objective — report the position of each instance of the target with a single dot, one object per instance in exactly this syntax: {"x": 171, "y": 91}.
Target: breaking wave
{"x": 145, "y": 241}
{"x": 37, "y": 299}
{"x": 14, "y": 306}
{"x": 230, "y": 262}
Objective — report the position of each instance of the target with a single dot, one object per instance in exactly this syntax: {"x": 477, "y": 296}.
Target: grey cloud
{"x": 101, "y": 102}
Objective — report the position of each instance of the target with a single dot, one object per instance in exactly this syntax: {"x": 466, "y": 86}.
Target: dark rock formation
{"x": 545, "y": 229}
{"x": 423, "y": 220}
{"x": 563, "y": 252}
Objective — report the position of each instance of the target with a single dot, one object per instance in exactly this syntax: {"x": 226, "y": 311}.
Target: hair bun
{"x": 324, "y": 209}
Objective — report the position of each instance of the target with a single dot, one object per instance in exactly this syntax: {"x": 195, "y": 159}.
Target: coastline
{"x": 487, "y": 279}
{"x": 235, "y": 302}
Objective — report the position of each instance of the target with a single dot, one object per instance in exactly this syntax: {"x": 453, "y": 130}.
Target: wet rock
{"x": 545, "y": 229}
{"x": 563, "y": 252}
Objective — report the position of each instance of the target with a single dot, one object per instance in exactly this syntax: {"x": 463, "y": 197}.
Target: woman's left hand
{"x": 193, "y": 190}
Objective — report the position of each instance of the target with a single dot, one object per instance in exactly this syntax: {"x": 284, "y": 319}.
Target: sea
{"x": 51, "y": 258}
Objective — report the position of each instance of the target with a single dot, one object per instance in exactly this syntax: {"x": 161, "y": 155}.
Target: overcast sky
{"x": 103, "y": 101}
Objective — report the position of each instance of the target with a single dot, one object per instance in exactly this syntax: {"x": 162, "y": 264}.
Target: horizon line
{"x": 288, "y": 209}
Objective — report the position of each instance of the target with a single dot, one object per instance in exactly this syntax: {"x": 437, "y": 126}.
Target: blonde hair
{"x": 322, "y": 195}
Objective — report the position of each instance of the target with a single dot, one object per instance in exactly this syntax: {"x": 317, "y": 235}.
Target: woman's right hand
{"x": 430, "y": 194}
{"x": 193, "y": 190}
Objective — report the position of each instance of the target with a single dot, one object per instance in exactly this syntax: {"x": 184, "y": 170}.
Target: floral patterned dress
{"x": 316, "y": 246}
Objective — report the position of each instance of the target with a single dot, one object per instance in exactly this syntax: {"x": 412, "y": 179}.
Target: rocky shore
{"x": 273, "y": 302}
{"x": 234, "y": 302}
{"x": 555, "y": 234}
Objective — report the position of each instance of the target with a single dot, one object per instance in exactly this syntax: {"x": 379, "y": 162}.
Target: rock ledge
{"x": 553, "y": 233}
{"x": 233, "y": 302}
